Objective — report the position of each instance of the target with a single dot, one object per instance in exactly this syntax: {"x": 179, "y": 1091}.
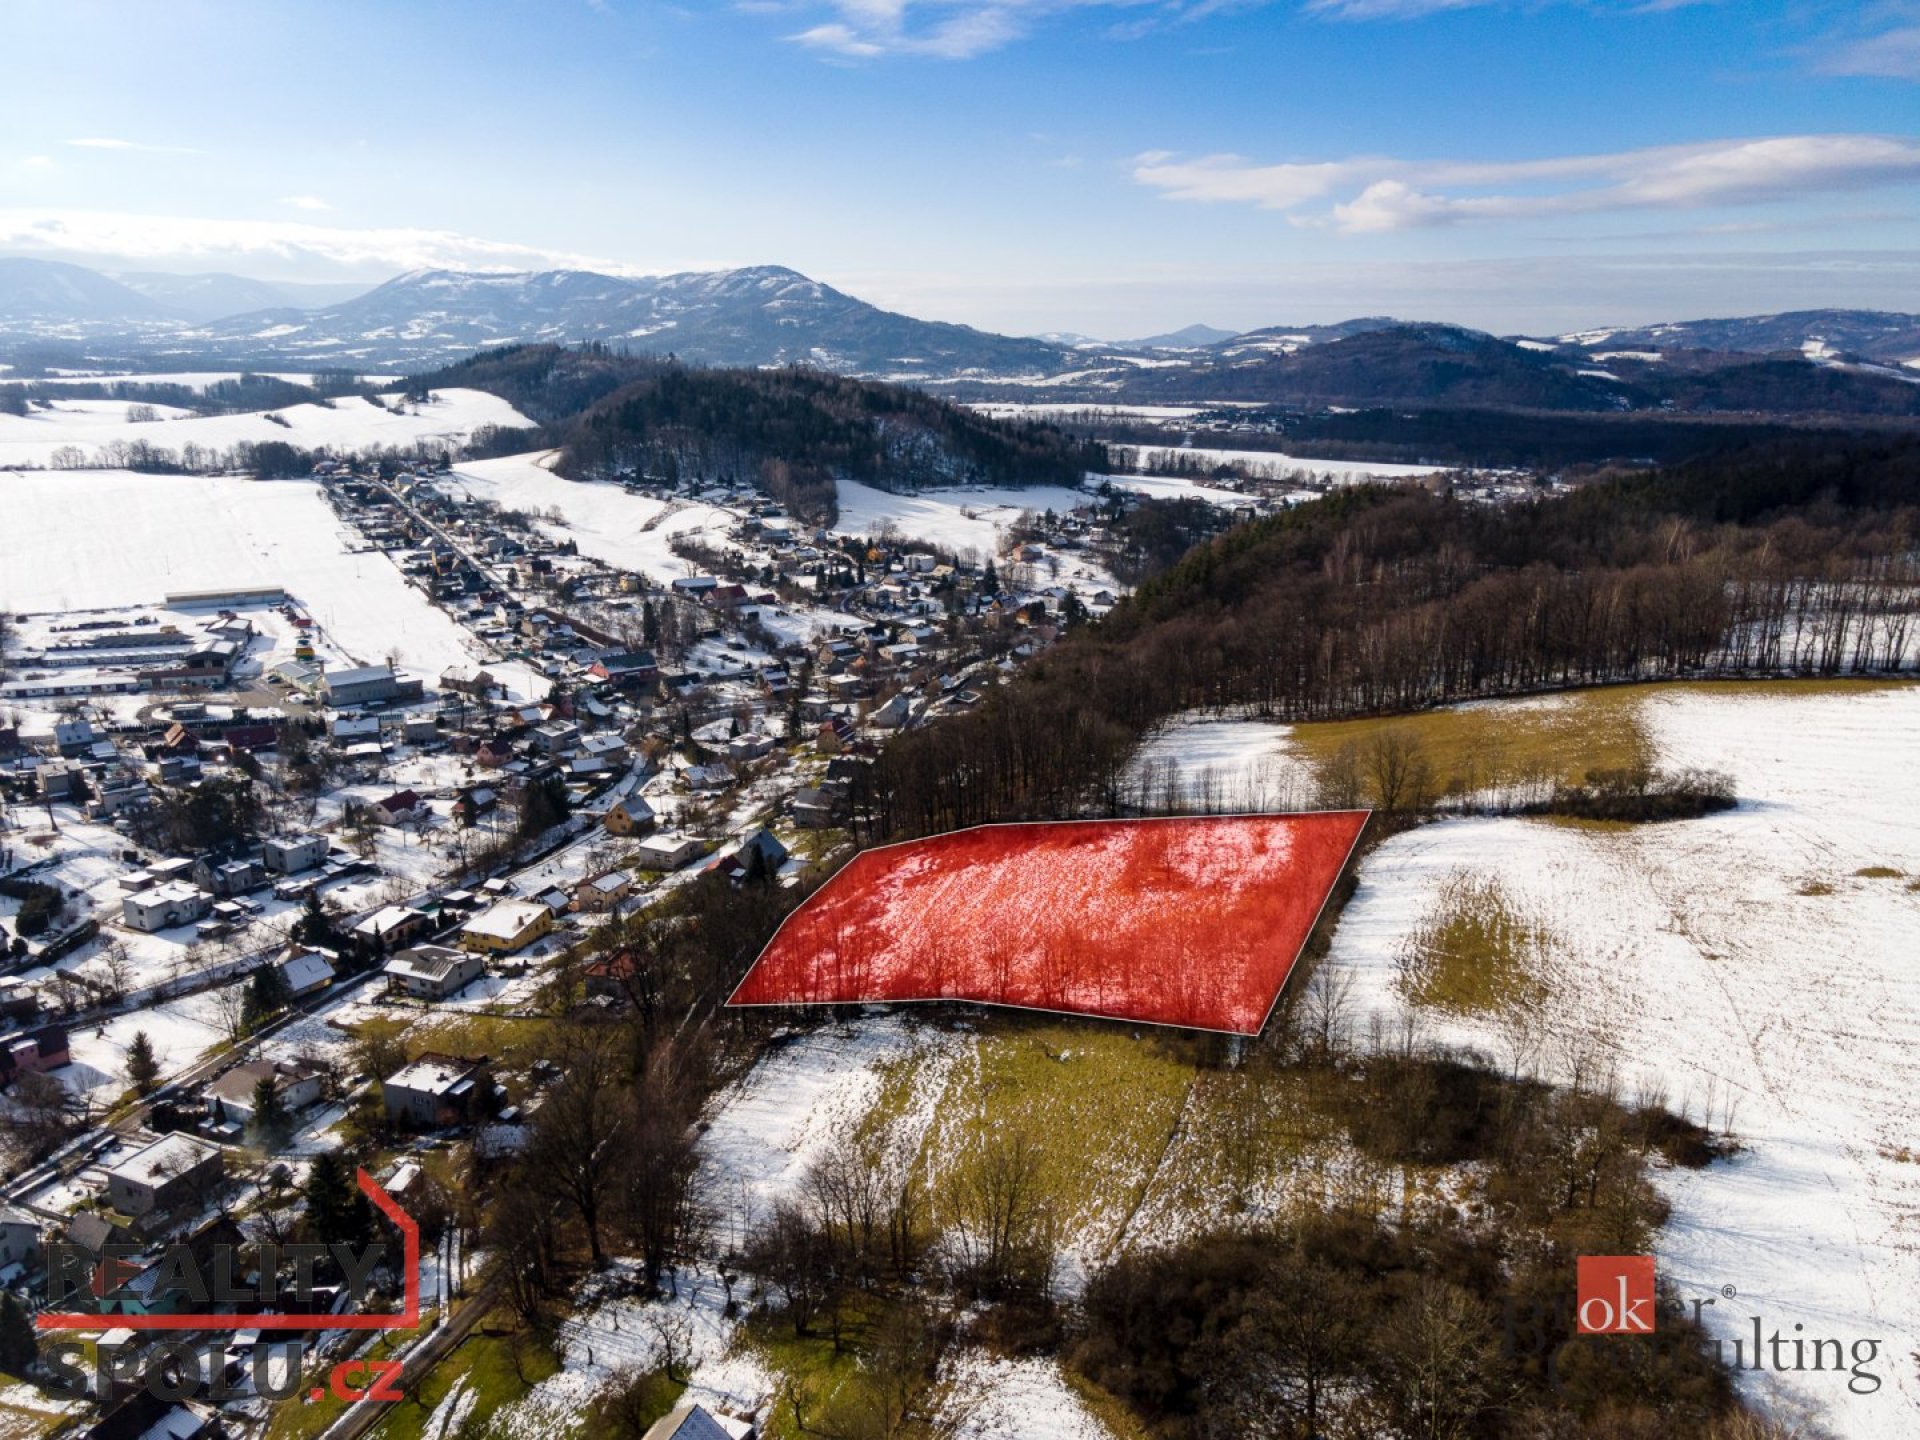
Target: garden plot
{"x": 1753, "y": 969}
{"x": 1186, "y": 922}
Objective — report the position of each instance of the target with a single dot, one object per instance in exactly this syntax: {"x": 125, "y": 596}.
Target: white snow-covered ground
{"x": 1051, "y": 410}
{"x": 967, "y": 522}
{"x": 1741, "y": 966}
{"x": 801, "y": 1098}
{"x": 1204, "y": 761}
{"x": 190, "y": 379}
{"x": 1169, "y": 487}
{"x": 1273, "y": 463}
{"x": 995, "y": 1399}
{"x": 349, "y": 424}
{"x": 86, "y": 539}
{"x": 633, "y": 532}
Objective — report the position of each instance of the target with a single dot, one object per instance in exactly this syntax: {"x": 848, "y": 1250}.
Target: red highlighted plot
{"x": 1190, "y": 921}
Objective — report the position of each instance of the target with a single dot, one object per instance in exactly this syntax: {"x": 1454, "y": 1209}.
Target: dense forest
{"x": 1795, "y": 557}
{"x": 792, "y": 431}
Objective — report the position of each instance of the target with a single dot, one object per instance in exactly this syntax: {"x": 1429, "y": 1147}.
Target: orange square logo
{"x": 1615, "y": 1295}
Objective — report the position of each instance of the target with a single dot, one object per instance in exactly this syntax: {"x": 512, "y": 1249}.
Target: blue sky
{"x": 1108, "y": 166}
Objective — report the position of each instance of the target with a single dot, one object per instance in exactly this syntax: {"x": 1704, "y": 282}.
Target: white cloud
{"x": 100, "y": 142}
{"x": 284, "y": 245}
{"x": 1389, "y": 9}
{"x": 305, "y": 202}
{"x": 962, "y": 29}
{"x": 1893, "y": 55}
{"x": 1373, "y": 194}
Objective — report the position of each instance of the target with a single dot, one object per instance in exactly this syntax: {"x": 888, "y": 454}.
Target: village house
{"x": 760, "y": 851}
{"x": 707, "y": 778}
{"x": 628, "y": 669}
{"x": 507, "y": 927}
{"x": 696, "y": 1422}
{"x": 33, "y": 1051}
{"x": 306, "y": 972}
{"x": 173, "y": 1171}
{"x": 19, "y": 1239}
{"x": 231, "y": 1098}
{"x": 433, "y": 972}
{"x": 602, "y": 892}
{"x": 392, "y": 926}
{"x": 669, "y": 850}
{"x": 629, "y": 815}
{"x": 228, "y": 877}
{"x": 293, "y": 854}
{"x": 438, "y": 1090}
{"x": 400, "y": 807}
{"x": 162, "y": 907}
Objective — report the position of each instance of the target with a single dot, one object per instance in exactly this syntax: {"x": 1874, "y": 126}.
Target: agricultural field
{"x": 970, "y": 523}
{"x": 95, "y": 539}
{"x": 1750, "y": 969}
{"x": 1192, "y": 922}
{"x": 348, "y": 424}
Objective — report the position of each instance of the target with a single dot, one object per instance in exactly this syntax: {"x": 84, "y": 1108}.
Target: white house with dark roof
{"x": 433, "y": 972}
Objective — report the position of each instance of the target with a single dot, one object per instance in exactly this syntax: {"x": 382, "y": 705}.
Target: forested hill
{"x": 793, "y": 431}
{"x": 1791, "y": 558}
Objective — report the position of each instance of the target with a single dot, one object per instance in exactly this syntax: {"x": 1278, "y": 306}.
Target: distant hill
{"x": 792, "y": 431}
{"x": 1882, "y": 335}
{"x": 200, "y": 298}
{"x": 1790, "y": 366}
{"x": 1192, "y": 337}
{"x": 764, "y": 315}
{"x": 49, "y": 296}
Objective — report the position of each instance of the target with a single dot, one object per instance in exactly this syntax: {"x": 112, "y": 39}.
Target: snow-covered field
{"x": 1205, "y": 762}
{"x": 190, "y": 379}
{"x": 1755, "y": 968}
{"x": 967, "y": 522}
{"x": 1168, "y": 487}
{"x": 1273, "y": 463}
{"x": 350, "y": 424}
{"x": 86, "y": 539}
{"x": 634, "y": 532}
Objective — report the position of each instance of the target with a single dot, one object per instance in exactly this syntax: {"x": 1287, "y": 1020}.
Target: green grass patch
{"x": 1544, "y": 740}
{"x": 813, "y": 1373}
{"x": 1099, "y": 1102}
{"x": 511, "y": 1041}
{"x": 1476, "y": 952}
{"x": 481, "y": 1365}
